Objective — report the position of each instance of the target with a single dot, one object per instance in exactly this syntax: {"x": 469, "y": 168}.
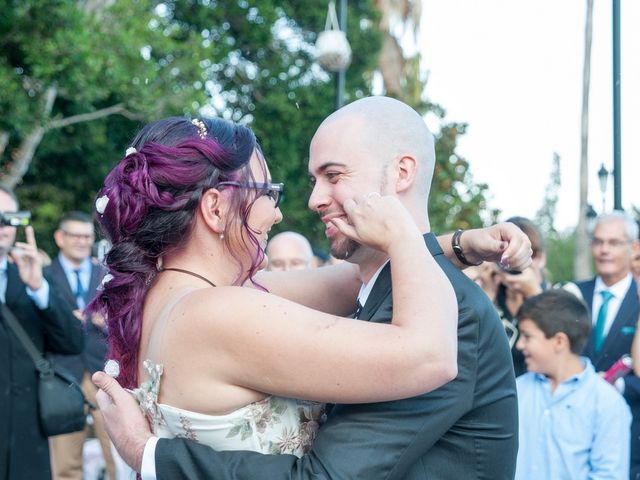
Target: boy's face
{"x": 539, "y": 351}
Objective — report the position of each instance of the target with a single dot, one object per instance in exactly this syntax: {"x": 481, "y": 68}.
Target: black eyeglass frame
{"x": 274, "y": 190}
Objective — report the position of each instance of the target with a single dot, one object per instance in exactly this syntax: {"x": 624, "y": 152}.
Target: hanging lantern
{"x": 333, "y": 51}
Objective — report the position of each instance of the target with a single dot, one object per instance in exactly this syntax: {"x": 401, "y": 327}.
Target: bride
{"x": 239, "y": 360}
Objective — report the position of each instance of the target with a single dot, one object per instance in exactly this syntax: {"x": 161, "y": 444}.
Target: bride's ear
{"x": 213, "y": 208}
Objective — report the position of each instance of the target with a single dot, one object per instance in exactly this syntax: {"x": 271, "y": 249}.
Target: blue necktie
{"x": 79, "y": 291}
{"x": 598, "y": 334}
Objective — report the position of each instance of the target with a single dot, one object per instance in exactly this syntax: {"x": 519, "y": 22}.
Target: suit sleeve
{"x": 632, "y": 389}
{"x": 63, "y": 332}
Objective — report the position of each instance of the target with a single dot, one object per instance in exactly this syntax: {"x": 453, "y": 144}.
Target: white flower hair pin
{"x": 202, "y": 128}
{"x": 106, "y": 279}
{"x": 130, "y": 151}
{"x": 101, "y": 204}
{"x": 112, "y": 368}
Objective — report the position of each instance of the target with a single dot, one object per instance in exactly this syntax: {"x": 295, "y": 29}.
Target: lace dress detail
{"x": 272, "y": 425}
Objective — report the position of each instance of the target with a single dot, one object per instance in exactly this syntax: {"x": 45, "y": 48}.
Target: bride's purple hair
{"x": 147, "y": 208}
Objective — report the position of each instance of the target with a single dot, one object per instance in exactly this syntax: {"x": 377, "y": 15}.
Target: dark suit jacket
{"x": 93, "y": 356}
{"x": 464, "y": 430}
{"x": 617, "y": 343}
{"x": 24, "y": 451}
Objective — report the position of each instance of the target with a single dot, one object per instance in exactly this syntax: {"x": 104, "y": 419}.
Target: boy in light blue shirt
{"x": 573, "y": 424}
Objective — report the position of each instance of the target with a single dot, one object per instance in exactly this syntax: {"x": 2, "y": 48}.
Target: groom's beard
{"x": 343, "y": 248}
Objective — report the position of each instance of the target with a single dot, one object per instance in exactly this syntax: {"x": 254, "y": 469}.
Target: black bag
{"x": 61, "y": 403}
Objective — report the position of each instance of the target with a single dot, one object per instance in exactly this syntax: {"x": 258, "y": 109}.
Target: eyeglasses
{"x": 274, "y": 190}
{"x": 79, "y": 236}
{"x": 614, "y": 243}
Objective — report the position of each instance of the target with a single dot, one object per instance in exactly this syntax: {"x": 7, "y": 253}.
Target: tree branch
{"x": 87, "y": 117}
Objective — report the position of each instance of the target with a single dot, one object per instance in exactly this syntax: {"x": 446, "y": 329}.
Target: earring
{"x": 221, "y": 235}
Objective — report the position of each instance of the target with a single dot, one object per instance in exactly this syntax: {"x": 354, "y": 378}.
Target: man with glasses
{"x": 77, "y": 277}
{"x": 612, "y": 297}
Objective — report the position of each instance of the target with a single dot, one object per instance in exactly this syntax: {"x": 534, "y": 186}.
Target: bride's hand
{"x": 376, "y": 221}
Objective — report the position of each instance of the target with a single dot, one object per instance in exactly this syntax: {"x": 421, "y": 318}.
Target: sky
{"x": 512, "y": 70}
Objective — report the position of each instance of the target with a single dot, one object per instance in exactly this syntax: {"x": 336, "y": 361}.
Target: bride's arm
{"x": 267, "y": 343}
{"x": 334, "y": 289}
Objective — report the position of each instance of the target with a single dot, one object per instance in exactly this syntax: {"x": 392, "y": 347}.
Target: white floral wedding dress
{"x": 272, "y": 425}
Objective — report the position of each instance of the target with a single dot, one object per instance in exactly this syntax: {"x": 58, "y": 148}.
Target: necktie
{"x": 79, "y": 290}
{"x": 598, "y": 334}
{"x": 356, "y": 314}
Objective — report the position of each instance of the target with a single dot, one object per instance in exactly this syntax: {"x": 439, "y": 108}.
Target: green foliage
{"x": 455, "y": 200}
{"x": 560, "y": 248}
{"x": 248, "y": 61}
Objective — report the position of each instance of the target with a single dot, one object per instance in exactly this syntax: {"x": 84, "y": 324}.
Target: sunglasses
{"x": 274, "y": 190}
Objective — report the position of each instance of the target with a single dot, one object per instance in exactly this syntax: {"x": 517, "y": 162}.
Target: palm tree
{"x": 400, "y": 72}
{"x": 582, "y": 264}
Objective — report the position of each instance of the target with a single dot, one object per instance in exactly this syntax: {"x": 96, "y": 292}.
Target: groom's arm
{"x": 180, "y": 459}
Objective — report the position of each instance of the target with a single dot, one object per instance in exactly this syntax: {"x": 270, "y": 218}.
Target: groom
{"x": 465, "y": 429}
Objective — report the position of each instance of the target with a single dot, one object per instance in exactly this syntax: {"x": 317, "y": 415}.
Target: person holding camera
{"x": 51, "y": 326}
{"x": 78, "y": 277}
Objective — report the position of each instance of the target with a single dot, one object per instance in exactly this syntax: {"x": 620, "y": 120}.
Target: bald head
{"x": 388, "y": 129}
{"x": 289, "y": 251}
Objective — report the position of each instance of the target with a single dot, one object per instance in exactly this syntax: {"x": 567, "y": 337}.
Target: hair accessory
{"x": 457, "y": 249}
{"x": 202, "y": 129}
{"x": 106, "y": 279}
{"x": 101, "y": 204}
{"x": 130, "y": 151}
{"x": 112, "y": 368}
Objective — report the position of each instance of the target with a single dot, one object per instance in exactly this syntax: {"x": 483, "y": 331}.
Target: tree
{"x": 582, "y": 266}
{"x": 78, "y": 78}
{"x": 456, "y": 201}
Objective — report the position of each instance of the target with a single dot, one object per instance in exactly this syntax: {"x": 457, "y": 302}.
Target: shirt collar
{"x": 365, "y": 288}
{"x": 574, "y": 379}
{"x": 4, "y": 264}
{"x": 68, "y": 267}
{"x": 619, "y": 290}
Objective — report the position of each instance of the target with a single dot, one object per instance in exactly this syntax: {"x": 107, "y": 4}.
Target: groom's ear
{"x": 213, "y": 208}
{"x": 406, "y": 171}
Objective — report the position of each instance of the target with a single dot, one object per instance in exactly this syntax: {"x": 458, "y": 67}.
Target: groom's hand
{"x": 125, "y": 424}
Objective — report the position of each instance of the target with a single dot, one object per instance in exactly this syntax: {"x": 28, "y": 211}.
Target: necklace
{"x": 188, "y": 273}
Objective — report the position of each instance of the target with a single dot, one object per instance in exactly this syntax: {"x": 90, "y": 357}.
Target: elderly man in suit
{"x": 77, "y": 277}
{"x": 612, "y": 297}
{"x": 465, "y": 429}
{"x": 49, "y": 323}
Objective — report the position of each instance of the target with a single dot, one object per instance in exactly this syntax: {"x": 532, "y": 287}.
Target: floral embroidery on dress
{"x": 187, "y": 426}
{"x": 147, "y": 393}
{"x": 272, "y": 425}
{"x": 266, "y": 417}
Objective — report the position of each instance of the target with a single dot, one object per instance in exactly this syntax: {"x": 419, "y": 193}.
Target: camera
{"x": 15, "y": 219}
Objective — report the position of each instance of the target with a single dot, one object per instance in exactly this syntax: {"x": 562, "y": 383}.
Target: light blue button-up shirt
{"x": 69, "y": 271}
{"x": 579, "y": 431}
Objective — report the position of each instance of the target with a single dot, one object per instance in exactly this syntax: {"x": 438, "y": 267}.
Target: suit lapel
{"x": 62, "y": 283}
{"x": 587, "y": 289}
{"x": 382, "y": 288}
{"x": 380, "y": 291}
{"x": 96, "y": 278}
{"x": 628, "y": 310}
{"x": 14, "y": 285}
